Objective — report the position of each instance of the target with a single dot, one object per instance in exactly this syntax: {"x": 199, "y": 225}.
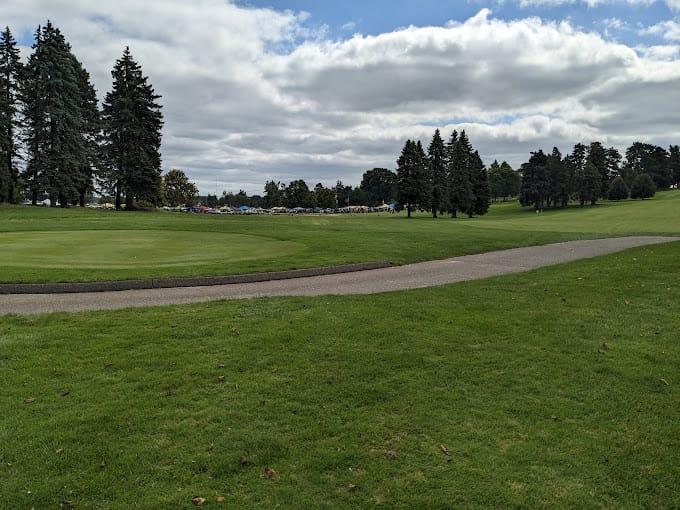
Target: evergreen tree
{"x": 535, "y": 187}
{"x": 424, "y": 177}
{"x": 411, "y": 176}
{"x": 618, "y": 189}
{"x": 460, "y": 187}
{"x": 90, "y": 132}
{"x": 643, "y": 187}
{"x": 480, "y": 187}
{"x": 674, "y": 164}
{"x": 558, "y": 180}
{"x": 597, "y": 156}
{"x": 10, "y": 76}
{"x": 56, "y": 142}
{"x": 590, "y": 184}
{"x": 436, "y": 153}
{"x": 132, "y": 123}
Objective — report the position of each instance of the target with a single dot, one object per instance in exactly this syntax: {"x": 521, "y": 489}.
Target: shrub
{"x": 643, "y": 187}
{"x": 618, "y": 190}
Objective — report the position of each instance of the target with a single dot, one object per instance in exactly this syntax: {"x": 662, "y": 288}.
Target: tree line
{"x": 593, "y": 172}
{"x": 56, "y": 141}
{"x": 449, "y": 178}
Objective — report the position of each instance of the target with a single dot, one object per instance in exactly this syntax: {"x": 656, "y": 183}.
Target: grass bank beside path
{"x": 558, "y": 388}
{"x": 55, "y": 245}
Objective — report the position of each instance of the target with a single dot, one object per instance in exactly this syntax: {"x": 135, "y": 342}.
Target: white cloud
{"x": 672, "y": 4}
{"x": 669, "y": 30}
{"x": 253, "y": 94}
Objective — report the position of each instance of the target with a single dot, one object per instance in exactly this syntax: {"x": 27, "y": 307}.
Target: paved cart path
{"x": 412, "y": 276}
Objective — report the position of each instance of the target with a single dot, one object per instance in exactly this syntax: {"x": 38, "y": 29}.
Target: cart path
{"x": 411, "y": 276}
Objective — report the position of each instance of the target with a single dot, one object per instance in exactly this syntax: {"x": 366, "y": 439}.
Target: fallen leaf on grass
{"x": 59, "y": 451}
{"x": 65, "y": 393}
{"x": 221, "y": 365}
{"x": 29, "y": 400}
{"x": 390, "y": 455}
{"x": 664, "y": 382}
{"x": 219, "y": 499}
{"x": 269, "y": 473}
{"x": 198, "y": 501}
{"x": 243, "y": 461}
{"x": 351, "y": 487}
{"x": 444, "y": 449}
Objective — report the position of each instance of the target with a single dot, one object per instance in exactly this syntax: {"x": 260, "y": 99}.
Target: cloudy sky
{"x": 265, "y": 89}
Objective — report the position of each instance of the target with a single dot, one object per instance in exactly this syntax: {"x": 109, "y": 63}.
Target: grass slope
{"x": 558, "y": 388}
{"x": 93, "y": 245}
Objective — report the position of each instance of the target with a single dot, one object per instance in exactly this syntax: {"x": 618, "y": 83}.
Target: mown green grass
{"x": 85, "y": 250}
{"x": 558, "y": 388}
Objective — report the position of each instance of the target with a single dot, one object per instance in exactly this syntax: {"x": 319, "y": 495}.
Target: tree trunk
{"x": 434, "y": 213}
{"x": 408, "y": 211}
{"x": 81, "y": 198}
{"x": 118, "y": 196}
{"x": 129, "y": 201}
{"x": 34, "y": 197}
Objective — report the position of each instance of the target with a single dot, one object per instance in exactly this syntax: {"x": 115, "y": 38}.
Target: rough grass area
{"x": 54, "y": 245}
{"x": 558, "y": 388}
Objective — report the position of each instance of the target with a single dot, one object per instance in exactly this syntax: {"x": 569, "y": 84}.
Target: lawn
{"x": 48, "y": 245}
{"x": 558, "y": 388}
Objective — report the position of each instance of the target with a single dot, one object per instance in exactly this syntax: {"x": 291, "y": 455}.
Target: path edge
{"x": 198, "y": 281}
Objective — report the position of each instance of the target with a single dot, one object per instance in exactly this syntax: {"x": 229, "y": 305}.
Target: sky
{"x": 255, "y": 90}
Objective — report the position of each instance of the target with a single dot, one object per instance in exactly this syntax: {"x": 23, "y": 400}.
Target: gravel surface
{"x": 412, "y": 276}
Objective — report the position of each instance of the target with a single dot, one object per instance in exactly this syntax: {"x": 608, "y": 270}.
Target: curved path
{"x": 412, "y": 276}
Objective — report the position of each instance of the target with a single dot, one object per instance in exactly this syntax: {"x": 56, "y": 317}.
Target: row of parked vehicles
{"x": 244, "y": 209}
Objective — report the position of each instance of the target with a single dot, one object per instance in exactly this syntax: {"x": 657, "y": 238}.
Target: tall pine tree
{"x": 461, "y": 193}
{"x": 411, "y": 177}
{"x": 132, "y": 123}
{"x": 480, "y": 187}
{"x": 436, "y": 153}
{"x": 53, "y": 97}
{"x": 10, "y": 76}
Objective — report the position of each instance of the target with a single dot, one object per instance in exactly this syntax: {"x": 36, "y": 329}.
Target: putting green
{"x": 121, "y": 249}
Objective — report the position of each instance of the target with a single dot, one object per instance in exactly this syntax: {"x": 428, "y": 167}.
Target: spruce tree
{"x": 558, "y": 194}
{"x": 461, "y": 193}
{"x": 597, "y": 156}
{"x": 132, "y": 123}
{"x": 452, "y": 204}
{"x": 10, "y": 76}
{"x": 535, "y": 187}
{"x": 480, "y": 187}
{"x": 90, "y": 129}
{"x": 57, "y": 148}
{"x": 590, "y": 184}
{"x": 410, "y": 176}
{"x": 437, "y": 163}
{"x": 423, "y": 176}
